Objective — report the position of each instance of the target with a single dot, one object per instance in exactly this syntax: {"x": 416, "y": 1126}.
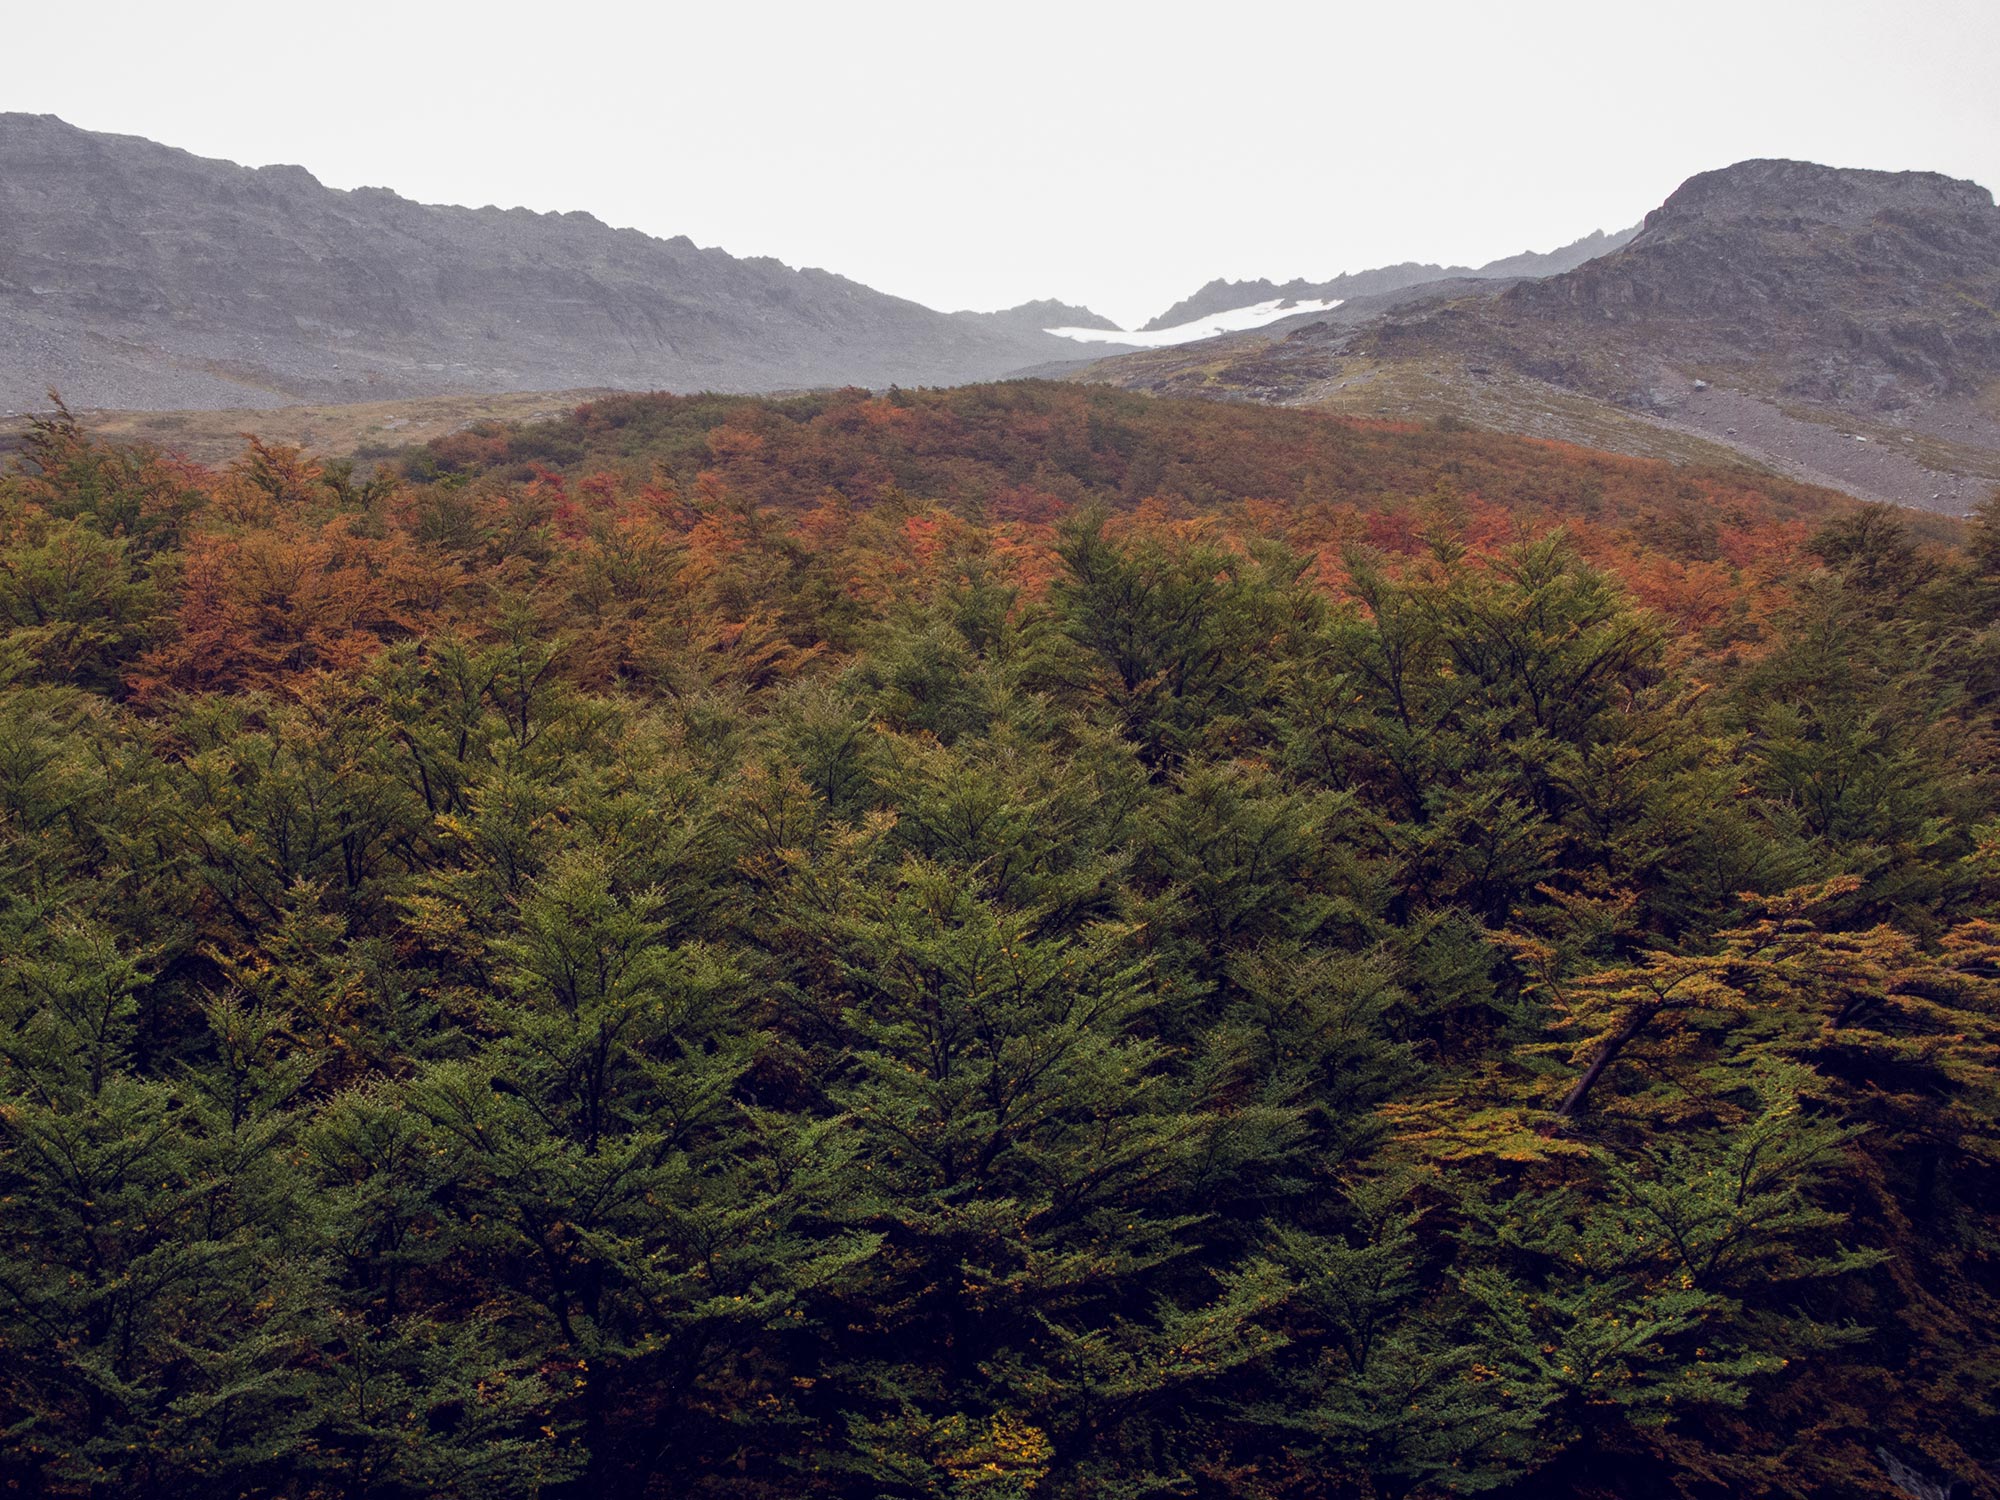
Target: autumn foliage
{"x": 1014, "y": 942}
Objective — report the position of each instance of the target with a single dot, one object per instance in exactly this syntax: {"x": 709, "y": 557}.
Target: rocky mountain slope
{"x": 1842, "y": 326}
{"x": 1220, "y": 296}
{"x": 1873, "y": 290}
{"x": 136, "y": 275}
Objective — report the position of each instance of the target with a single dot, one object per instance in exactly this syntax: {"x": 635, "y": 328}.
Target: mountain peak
{"x": 1841, "y": 325}
{"x": 1804, "y": 189}
{"x": 1877, "y": 267}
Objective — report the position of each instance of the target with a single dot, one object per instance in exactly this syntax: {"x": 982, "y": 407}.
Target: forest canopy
{"x": 1021, "y": 941}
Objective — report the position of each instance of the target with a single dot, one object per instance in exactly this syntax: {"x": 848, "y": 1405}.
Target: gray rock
{"x": 135, "y": 275}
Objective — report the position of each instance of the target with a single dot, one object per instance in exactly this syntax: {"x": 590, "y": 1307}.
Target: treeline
{"x": 590, "y": 978}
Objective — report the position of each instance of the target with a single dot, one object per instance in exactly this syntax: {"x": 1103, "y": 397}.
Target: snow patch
{"x": 1235, "y": 320}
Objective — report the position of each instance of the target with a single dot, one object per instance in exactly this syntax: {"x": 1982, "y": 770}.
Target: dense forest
{"x": 1013, "y": 942}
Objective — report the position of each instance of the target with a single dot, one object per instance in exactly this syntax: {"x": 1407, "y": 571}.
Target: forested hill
{"x": 1037, "y": 447}
{"x": 1008, "y": 944}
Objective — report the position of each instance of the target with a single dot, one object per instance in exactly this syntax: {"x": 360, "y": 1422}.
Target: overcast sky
{"x": 979, "y": 155}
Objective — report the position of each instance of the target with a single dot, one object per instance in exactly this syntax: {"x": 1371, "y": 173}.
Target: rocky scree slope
{"x": 136, "y": 275}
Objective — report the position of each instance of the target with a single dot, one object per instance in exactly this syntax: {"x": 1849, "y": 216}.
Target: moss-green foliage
{"x": 509, "y": 990}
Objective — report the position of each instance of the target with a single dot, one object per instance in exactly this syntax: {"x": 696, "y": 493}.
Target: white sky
{"x": 979, "y": 155}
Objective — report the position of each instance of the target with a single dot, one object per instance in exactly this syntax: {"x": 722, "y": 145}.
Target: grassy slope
{"x": 371, "y": 429}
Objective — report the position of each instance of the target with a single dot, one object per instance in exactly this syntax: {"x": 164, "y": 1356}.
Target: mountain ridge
{"x": 1221, "y": 295}
{"x": 141, "y": 275}
{"x": 1043, "y": 314}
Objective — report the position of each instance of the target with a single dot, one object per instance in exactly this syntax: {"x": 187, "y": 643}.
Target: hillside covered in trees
{"x": 1023, "y": 941}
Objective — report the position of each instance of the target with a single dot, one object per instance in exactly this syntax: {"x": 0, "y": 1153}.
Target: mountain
{"x": 1838, "y": 325}
{"x": 136, "y": 275}
{"x": 1871, "y": 290}
{"x": 1221, "y": 296}
{"x": 1036, "y": 317}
